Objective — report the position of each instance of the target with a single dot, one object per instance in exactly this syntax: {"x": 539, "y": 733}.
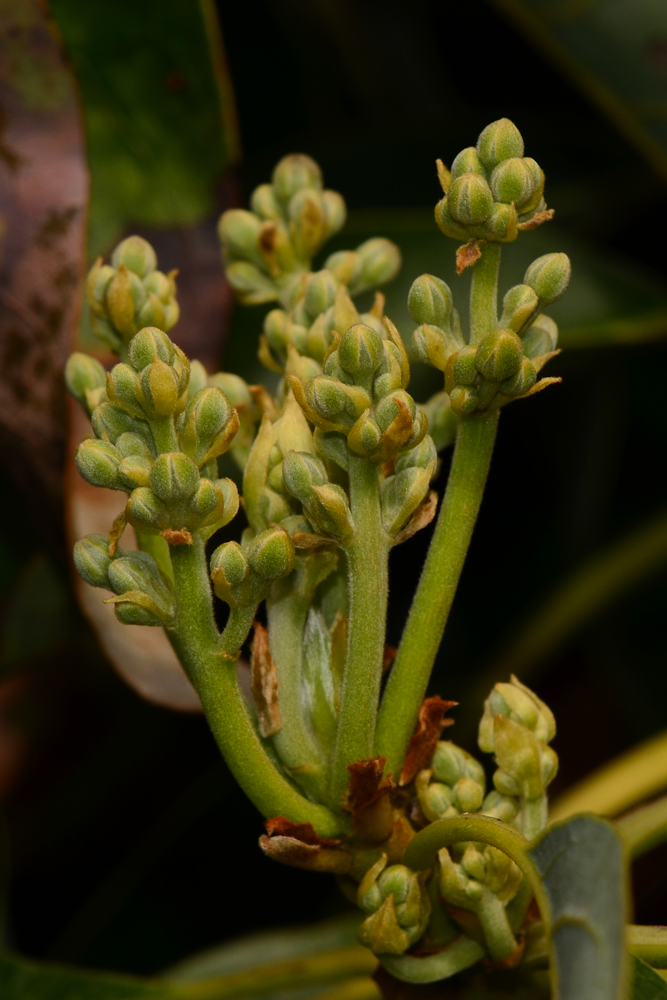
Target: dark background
{"x": 129, "y": 844}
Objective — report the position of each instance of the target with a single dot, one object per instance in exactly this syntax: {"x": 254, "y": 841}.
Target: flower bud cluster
{"x": 492, "y": 190}
{"x": 505, "y": 363}
{"x": 242, "y": 573}
{"x": 144, "y": 596}
{"x": 174, "y": 490}
{"x": 517, "y": 727}
{"x": 453, "y": 784}
{"x": 130, "y": 293}
{"x": 397, "y": 905}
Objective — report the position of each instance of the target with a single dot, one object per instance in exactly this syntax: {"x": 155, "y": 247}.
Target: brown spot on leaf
{"x": 468, "y": 254}
{"x": 264, "y": 679}
{"x": 423, "y": 742}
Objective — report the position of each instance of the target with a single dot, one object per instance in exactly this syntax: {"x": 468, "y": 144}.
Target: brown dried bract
{"x": 298, "y": 844}
{"x": 280, "y": 826}
{"x": 368, "y": 799}
{"x": 181, "y": 537}
{"x": 536, "y": 220}
{"x": 264, "y": 680}
{"x": 423, "y": 742}
{"x": 468, "y": 254}
{"x": 421, "y": 517}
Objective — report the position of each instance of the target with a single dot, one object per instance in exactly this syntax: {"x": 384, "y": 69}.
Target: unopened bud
{"x": 451, "y": 763}
{"x": 97, "y": 462}
{"x": 271, "y": 554}
{"x": 335, "y": 212}
{"x": 320, "y": 292}
{"x": 467, "y": 162}
{"x": 346, "y": 266}
{"x": 549, "y": 276}
{"x": 83, "y": 375}
{"x": 402, "y": 494}
{"x": 251, "y": 284}
{"x": 135, "y": 470}
{"x": 511, "y": 182}
{"x": 422, "y": 456}
{"x": 541, "y": 337}
{"x": 470, "y": 200}
{"x": 121, "y": 389}
{"x": 365, "y": 437}
{"x": 293, "y": 173}
{"x": 174, "y": 477}
{"x": 206, "y": 420}
{"x": 503, "y": 807}
{"x": 464, "y": 366}
{"x": 499, "y": 355}
{"x": 447, "y": 223}
{"x": 97, "y": 282}
{"x": 125, "y": 297}
{"x": 360, "y": 352}
{"x": 146, "y": 512}
{"x": 158, "y": 390}
{"x": 521, "y": 382}
{"x": 239, "y": 233}
{"x": 264, "y": 203}
{"x": 464, "y": 400}
{"x": 92, "y": 560}
{"x": 502, "y": 223}
{"x": 149, "y": 345}
{"x": 136, "y": 254}
{"x": 519, "y": 304}
{"x": 307, "y": 222}
{"x": 501, "y": 140}
{"x": 301, "y": 472}
{"x": 390, "y": 407}
{"x": 150, "y": 600}
{"x": 380, "y": 262}
{"x": 229, "y": 573}
{"x": 430, "y": 301}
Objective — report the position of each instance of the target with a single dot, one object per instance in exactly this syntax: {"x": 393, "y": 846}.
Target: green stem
{"x": 294, "y": 743}
{"x": 644, "y": 828}
{"x": 497, "y": 931}
{"x": 649, "y": 944}
{"x": 210, "y": 662}
{"x": 164, "y": 435}
{"x": 484, "y": 293}
{"x": 534, "y": 816}
{"x": 456, "y": 957}
{"x": 423, "y": 632}
{"x": 367, "y": 557}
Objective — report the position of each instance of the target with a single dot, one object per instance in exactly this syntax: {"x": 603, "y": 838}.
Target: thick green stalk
{"x": 295, "y": 745}
{"x": 484, "y": 293}
{"x": 210, "y": 661}
{"x": 367, "y": 557}
{"x": 164, "y": 434}
{"x": 421, "y": 639}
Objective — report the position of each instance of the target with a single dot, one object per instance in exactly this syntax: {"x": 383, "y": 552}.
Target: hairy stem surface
{"x": 484, "y": 293}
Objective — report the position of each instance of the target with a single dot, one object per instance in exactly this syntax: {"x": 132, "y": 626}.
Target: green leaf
{"x": 647, "y": 984}
{"x": 582, "y": 868}
{"x": 21, "y": 979}
{"x": 158, "y": 107}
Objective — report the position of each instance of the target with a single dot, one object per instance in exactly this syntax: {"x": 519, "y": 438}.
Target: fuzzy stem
{"x": 294, "y": 743}
{"x": 432, "y": 602}
{"x": 210, "y": 662}
{"x": 484, "y": 293}
{"x": 367, "y": 557}
{"x": 497, "y": 931}
{"x": 164, "y": 434}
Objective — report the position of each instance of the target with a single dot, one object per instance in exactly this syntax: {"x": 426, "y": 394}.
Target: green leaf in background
{"x": 21, "y": 979}
{"x": 647, "y": 984}
{"x": 616, "y": 52}
{"x": 158, "y": 106}
{"x": 582, "y": 868}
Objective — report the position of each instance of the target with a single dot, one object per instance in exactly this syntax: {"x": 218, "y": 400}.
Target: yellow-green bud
{"x": 307, "y": 222}
{"x": 174, "y": 477}
{"x": 135, "y": 470}
{"x": 380, "y": 262}
{"x": 207, "y": 503}
{"x": 252, "y": 285}
{"x": 92, "y": 560}
{"x": 301, "y": 472}
{"x": 521, "y": 382}
{"x": 97, "y": 283}
{"x": 335, "y": 212}
{"x": 149, "y": 345}
{"x": 541, "y": 337}
{"x": 151, "y": 601}
{"x": 293, "y": 173}
{"x": 146, "y": 512}
{"x": 549, "y": 276}
{"x": 387, "y": 409}
{"x": 519, "y": 304}
{"x": 264, "y": 203}
{"x": 401, "y": 495}
{"x": 511, "y": 181}
{"x": 346, "y": 266}
{"x": 467, "y": 162}
{"x": 205, "y": 422}
{"x": 470, "y": 200}
{"x": 125, "y": 297}
{"x": 464, "y": 367}
{"x": 502, "y": 223}
{"x": 447, "y": 223}
{"x": 109, "y": 422}
{"x": 327, "y": 396}
{"x": 516, "y": 702}
{"x": 84, "y": 375}
{"x": 501, "y": 140}
{"x": 158, "y": 389}
{"x": 398, "y": 908}
{"x": 271, "y": 554}
{"x": 121, "y": 389}
{"x": 97, "y": 462}
{"x": 320, "y": 292}
{"x": 503, "y": 807}
{"x": 430, "y": 301}
{"x": 499, "y": 355}
{"x": 360, "y": 352}
{"x": 464, "y": 400}
{"x": 365, "y": 437}
{"x": 423, "y": 456}
{"x": 239, "y": 233}
{"x": 136, "y": 254}
{"x": 451, "y": 763}
{"x": 229, "y": 573}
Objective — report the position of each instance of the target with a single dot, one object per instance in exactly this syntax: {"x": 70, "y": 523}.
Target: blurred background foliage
{"x": 127, "y": 844}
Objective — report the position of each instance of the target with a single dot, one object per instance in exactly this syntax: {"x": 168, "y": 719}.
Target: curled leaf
{"x": 423, "y": 741}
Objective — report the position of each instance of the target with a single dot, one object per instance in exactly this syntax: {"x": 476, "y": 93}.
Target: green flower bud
{"x": 398, "y": 908}
{"x": 109, "y": 422}
{"x": 149, "y": 345}
{"x": 327, "y": 397}
{"x": 293, "y": 173}
{"x": 207, "y": 504}
{"x": 307, "y": 222}
{"x": 271, "y": 554}
{"x": 83, "y": 375}
{"x": 329, "y": 511}
{"x": 151, "y": 601}
{"x": 239, "y": 233}
{"x": 136, "y": 254}
{"x": 511, "y": 181}
{"x": 430, "y": 301}
{"x": 434, "y": 346}
{"x": 234, "y": 388}
{"x": 229, "y": 573}
{"x": 276, "y": 248}
{"x": 276, "y": 328}
{"x": 360, "y": 352}
{"x": 541, "y": 337}
{"x": 470, "y": 200}
{"x": 251, "y": 285}
{"x": 503, "y": 807}
{"x": 522, "y": 382}
{"x": 97, "y": 282}
{"x": 146, "y": 512}
{"x": 346, "y": 266}
{"x": 125, "y": 297}
{"x": 467, "y": 162}
{"x": 422, "y": 456}
{"x": 499, "y": 355}
{"x": 447, "y": 223}
{"x": 519, "y": 304}
{"x": 208, "y": 425}
{"x": 158, "y": 390}
{"x": 516, "y": 702}
{"x": 464, "y": 366}
{"x": 365, "y": 438}
{"x": 121, "y": 389}
{"x": 301, "y": 472}
{"x": 264, "y": 203}
{"x": 320, "y": 292}
{"x": 335, "y": 212}
{"x": 97, "y": 462}
{"x": 291, "y": 431}
{"x": 380, "y": 262}
{"x": 160, "y": 285}
{"x": 501, "y": 140}
{"x": 174, "y": 477}
{"x": 549, "y": 276}
{"x": 451, "y": 763}
{"x": 436, "y": 800}
{"x": 388, "y": 408}
{"x": 464, "y": 400}
{"x": 502, "y": 223}
{"x": 135, "y": 470}
{"x": 92, "y": 560}
{"x": 390, "y": 377}
{"x": 401, "y": 495}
